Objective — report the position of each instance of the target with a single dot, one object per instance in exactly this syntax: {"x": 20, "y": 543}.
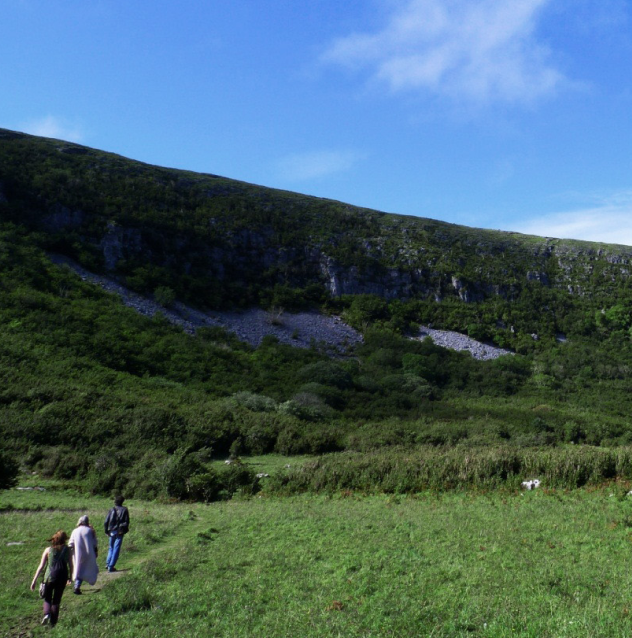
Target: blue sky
{"x": 506, "y": 114}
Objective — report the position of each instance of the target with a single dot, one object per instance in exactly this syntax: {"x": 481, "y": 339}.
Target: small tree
{"x": 8, "y": 471}
{"x": 165, "y": 296}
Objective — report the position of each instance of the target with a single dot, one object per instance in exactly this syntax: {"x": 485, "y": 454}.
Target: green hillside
{"x": 216, "y": 242}
{"x": 93, "y": 392}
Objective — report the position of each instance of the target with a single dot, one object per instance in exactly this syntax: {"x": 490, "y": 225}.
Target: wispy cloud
{"x": 473, "y": 50}
{"x": 51, "y": 126}
{"x": 609, "y": 221}
{"x": 316, "y": 164}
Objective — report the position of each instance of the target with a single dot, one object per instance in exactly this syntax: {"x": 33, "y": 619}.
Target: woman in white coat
{"x": 83, "y": 544}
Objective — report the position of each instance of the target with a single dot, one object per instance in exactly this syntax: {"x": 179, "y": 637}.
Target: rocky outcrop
{"x": 389, "y": 283}
{"x": 62, "y": 218}
{"x": 258, "y": 256}
{"x": 465, "y": 292}
{"x": 118, "y": 243}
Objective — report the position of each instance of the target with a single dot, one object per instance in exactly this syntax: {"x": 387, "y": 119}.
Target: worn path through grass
{"x": 27, "y": 518}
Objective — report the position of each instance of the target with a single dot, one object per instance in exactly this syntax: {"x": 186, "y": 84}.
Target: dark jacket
{"x": 117, "y": 521}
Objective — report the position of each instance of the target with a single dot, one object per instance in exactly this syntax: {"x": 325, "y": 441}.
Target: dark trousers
{"x": 52, "y": 597}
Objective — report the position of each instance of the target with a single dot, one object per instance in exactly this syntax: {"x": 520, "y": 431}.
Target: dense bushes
{"x": 183, "y": 475}
{"x": 92, "y": 391}
{"x": 8, "y": 471}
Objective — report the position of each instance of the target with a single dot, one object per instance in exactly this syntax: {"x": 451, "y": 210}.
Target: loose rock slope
{"x": 302, "y": 329}
{"x": 457, "y": 341}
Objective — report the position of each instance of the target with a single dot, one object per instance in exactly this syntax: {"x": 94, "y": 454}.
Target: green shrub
{"x": 9, "y": 470}
{"x": 63, "y": 462}
{"x": 177, "y": 469}
{"x": 254, "y": 402}
{"x": 331, "y": 395}
{"x": 165, "y": 296}
{"x": 306, "y": 406}
{"x": 365, "y": 310}
{"x": 236, "y": 478}
{"x": 325, "y": 373}
{"x": 573, "y": 432}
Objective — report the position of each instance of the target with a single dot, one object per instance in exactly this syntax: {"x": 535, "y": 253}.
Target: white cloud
{"x": 316, "y": 164}
{"x": 610, "y": 222}
{"x": 51, "y": 126}
{"x": 477, "y": 50}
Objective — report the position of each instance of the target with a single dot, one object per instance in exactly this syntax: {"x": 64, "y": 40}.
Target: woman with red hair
{"x": 57, "y": 561}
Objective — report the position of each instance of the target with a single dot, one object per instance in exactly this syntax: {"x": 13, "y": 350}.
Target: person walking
{"x": 84, "y": 546}
{"x": 116, "y": 526}
{"x": 57, "y": 563}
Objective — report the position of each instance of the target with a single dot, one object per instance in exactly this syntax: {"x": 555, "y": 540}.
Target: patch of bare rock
{"x": 458, "y": 341}
{"x": 301, "y": 329}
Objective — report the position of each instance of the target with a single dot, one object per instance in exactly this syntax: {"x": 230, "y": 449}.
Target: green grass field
{"x": 538, "y": 564}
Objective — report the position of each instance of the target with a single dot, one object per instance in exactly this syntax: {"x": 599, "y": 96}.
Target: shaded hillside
{"x": 218, "y": 242}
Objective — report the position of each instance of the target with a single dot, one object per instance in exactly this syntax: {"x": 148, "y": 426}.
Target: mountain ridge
{"x": 218, "y": 243}
{"x": 407, "y": 231}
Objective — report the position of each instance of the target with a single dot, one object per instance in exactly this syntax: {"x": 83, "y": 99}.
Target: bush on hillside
{"x": 9, "y": 469}
{"x": 254, "y": 402}
{"x": 307, "y": 407}
{"x": 325, "y": 373}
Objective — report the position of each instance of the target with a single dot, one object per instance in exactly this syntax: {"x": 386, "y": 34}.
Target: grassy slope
{"x": 504, "y": 564}
{"x": 80, "y": 370}
{"x": 171, "y": 183}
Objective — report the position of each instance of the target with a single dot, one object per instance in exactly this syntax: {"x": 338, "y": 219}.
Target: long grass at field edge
{"x": 409, "y": 471}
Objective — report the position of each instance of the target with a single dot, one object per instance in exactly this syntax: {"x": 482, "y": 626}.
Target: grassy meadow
{"x": 471, "y": 563}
